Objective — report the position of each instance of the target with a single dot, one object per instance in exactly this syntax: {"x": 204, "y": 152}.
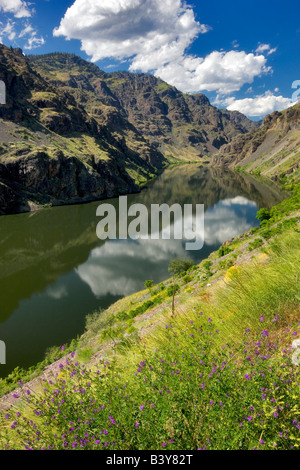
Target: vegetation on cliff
{"x": 272, "y": 151}
{"x": 221, "y": 373}
{"x": 218, "y": 368}
{"x": 71, "y": 133}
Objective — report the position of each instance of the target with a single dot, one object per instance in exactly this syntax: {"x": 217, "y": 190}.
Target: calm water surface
{"x": 55, "y": 271}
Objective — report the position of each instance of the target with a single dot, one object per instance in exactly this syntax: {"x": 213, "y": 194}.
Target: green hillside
{"x": 271, "y": 151}
{"x": 219, "y": 372}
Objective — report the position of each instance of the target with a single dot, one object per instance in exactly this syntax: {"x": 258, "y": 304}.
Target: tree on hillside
{"x": 178, "y": 267}
{"x": 149, "y": 284}
{"x": 263, "y": 214}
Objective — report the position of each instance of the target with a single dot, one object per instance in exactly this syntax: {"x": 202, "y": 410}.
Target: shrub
{"x": 149, "y": 284}
{"x": 178, "y": 267}
{"x": 85, "y": 354}
{"x": 145, "y": 306}
{"x": 226, "y": 263}
{"x": 187, "y": 279}
{"x": 192, "y": 269}
{"x": 267, "y": 233}
{"x": 204, "y": 274}
{"x": 263, "y": 214}
{"x": 224, "y": 250}
{"x": 258, "y": 242}
{"x": 122, "y": 316}
{"x": 207, "y": 265}
{"x": 130, "y": 330}
{"x": 171, "y": 289}
{"x": 111, "y": 334}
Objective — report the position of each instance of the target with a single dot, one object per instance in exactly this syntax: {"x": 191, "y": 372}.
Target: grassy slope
{"x": 185, "y": 127}
{"x": 40, "y": 117}
{"x": 271, "y": 151}
{"x": 217, "y": 381}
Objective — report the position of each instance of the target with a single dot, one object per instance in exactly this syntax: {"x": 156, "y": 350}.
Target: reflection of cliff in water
{"x": 228, "y": 181}
{"x": 37, "y": 249}
{"x": 207, "y": 186}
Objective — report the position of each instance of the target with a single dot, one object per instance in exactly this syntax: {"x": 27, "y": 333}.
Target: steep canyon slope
{"x": 72, "y": 133}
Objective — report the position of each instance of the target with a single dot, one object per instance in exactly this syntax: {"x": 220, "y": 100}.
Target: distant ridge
{"x": 72, "y": 133}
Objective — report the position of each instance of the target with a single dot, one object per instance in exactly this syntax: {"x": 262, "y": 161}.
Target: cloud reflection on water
{"x": 117, "y": 267}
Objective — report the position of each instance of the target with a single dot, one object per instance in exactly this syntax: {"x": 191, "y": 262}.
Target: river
{"x": 55, "y": 271}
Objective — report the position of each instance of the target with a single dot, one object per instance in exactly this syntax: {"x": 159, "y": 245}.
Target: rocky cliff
{"x": 71, "y": 133}
{"x": 52, "y": 151}
{"x": 179, "y": 125}
{"x": 272, "y": 151}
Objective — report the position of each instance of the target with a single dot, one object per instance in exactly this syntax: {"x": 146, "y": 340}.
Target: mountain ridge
{"x": 272, "y": 151}
{"x": 158, "y": 110}
{"x": 72, "y": 133}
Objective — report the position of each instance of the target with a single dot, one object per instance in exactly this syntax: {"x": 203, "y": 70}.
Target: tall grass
{"x": 220, "y": 375}
{"x": 268, "y": 287}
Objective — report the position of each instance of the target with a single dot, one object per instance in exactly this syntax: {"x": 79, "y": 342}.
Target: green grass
{"x": 262, "y": 289}
{"x": 218, "y": 376}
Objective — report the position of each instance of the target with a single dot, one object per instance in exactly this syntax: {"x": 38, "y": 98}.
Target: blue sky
{"x": 242, "y": 55}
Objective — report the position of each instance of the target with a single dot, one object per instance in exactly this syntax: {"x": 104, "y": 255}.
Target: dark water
{"x": 54, "y": 270}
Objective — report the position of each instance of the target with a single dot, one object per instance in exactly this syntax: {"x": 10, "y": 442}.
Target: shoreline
{"x": 145, "y": 187}
{"x": 106, "y": 349}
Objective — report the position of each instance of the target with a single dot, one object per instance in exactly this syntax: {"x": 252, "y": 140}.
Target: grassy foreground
{"x": 220, "y": 374}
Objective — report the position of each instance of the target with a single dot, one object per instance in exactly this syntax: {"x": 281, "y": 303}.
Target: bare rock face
{"x": 164, "y": 115}
{"x": 59, "y": 180}
{"x": 8, "y": 199}
{"x": 71, "y": 133}
{"x": 271, "y": 151}
{"x": 156, "y": 110}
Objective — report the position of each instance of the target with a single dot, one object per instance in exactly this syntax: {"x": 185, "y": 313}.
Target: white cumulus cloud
{"x": 154, "y": 36}
{"x": 224, "y": 72}
{"x": 265, "y": 48}
{"x": 152, "y": 31}
{"x": 18, "y": 8}
{"x": 260, "y": 105}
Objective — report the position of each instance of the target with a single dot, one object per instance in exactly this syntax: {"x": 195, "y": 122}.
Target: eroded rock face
{"x": 156, "y": 110}
{"x": 271, "y": 151}
{"x": 167, "y": 116}
{"x": 8, "y": 200}
{"x": 59, "y": 180}
{"x": 103, "y": 153}
{"x": 73, "y": 133}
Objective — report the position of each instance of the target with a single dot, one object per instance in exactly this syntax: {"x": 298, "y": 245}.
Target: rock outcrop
{"x": 71, "y": 133}
{"x": 273, "y": 150}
